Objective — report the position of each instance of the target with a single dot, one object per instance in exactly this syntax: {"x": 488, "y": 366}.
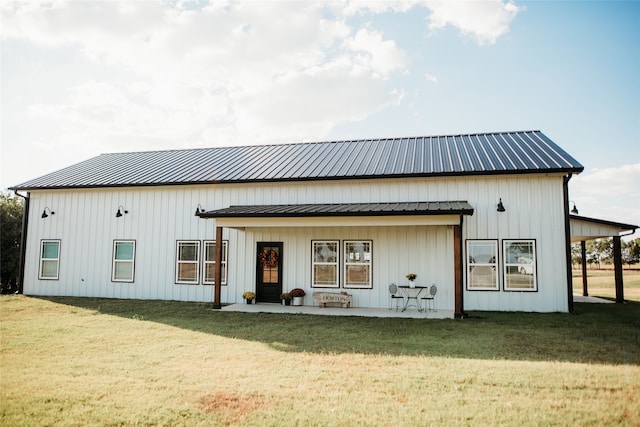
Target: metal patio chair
{"x": 430, "y": 298}
{"x": 395, "y": 296}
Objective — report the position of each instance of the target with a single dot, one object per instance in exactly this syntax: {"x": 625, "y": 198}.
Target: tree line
{"x": 600, "y": 251}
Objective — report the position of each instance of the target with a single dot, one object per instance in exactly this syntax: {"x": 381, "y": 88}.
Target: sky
{"x": 81, "y": 78}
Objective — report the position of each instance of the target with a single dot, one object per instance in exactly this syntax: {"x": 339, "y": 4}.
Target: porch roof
{"x": 342, "y": 209}
{"x": 584, "y": 228}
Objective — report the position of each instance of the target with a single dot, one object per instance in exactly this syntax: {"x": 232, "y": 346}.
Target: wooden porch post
{"x": 617, "y": 266}
{"x": 218, "y": 272}
{"x": 457, "y": 274}
{"x": 583, "y": 253}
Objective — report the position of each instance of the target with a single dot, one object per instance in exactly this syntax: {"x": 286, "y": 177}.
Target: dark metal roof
{"x": 469, "y": 154}
{"x": 343, "y": 209}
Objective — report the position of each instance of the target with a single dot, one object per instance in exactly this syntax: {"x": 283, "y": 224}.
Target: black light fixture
{"x": 574, "y": 210}
{"x": 199, "y": 210}
{"x": 500, "y": 206}
{"x": 45, "y": 214}
{"x": 121, "y": 211}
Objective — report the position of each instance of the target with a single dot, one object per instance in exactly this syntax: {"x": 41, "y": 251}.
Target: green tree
{"x": 10, "y": 233}
{"x": 631, "y": 251}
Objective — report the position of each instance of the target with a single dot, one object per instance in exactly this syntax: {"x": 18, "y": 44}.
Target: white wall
{"x": 158, "y": 216}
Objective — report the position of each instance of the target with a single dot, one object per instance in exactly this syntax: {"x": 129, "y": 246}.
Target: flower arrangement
{"x": 285, "y": 296}
{"x": 412, "y": 276}
{"x": 248, "y": 295}
{"x": 297, "y": 292}
{"x": 268, "y": 258}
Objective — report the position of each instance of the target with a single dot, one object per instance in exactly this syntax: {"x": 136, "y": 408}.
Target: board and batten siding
{"x": 86, "y": 225}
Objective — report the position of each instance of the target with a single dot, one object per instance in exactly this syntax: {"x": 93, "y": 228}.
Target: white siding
{"x": 85, "y": 223}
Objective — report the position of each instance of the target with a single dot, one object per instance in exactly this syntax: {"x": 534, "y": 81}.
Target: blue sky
{"x": 82, "y": 78}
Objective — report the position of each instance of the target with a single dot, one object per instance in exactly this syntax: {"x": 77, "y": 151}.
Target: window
{"x": 50, "y": 259}
{"x": 210, "y": 262}
{"x": 188, "y": 262}
{"x": 482, "y": 265}
{"x": 357, "y": 264}
{"x": 324, "y": 269}
{"x": 124, "y": 254}
{"x": 519, "y": 265}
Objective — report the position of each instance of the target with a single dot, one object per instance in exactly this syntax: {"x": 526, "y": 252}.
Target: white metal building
{"x": 484, "y": 217}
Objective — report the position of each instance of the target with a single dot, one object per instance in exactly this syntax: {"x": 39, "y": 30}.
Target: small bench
{"x": 324, "y": 298}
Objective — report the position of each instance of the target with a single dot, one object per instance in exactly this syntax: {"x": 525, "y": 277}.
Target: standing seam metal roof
{"x": 468, "y": 154}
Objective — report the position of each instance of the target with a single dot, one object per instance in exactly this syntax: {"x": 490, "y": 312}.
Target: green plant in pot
{"x": 249, "y": 297}
{"x": 286, "y": 298}
{"x": 297, "y": 295}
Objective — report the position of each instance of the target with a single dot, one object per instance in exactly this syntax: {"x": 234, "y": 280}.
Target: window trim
{"x": 224, "y": 263}
{"x": 336, "y": 263}
{"x": 495, "y": 265}
{"x": 196, "y": 262}
{"x": 506, "y": 264}
{"x": 42, "y": 258}
{"x": 345, "y": 264}
{"x": 114, "y": 261}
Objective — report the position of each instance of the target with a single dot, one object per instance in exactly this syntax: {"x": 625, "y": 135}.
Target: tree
{"x": 631, "y": 251}
{"x": 10, "y": 234}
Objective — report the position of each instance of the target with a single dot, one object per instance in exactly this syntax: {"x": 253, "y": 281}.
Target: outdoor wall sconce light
{"x": 574, "y": 210}
{"x": 500, "y": 206}
{"x": 120, "y": 212}
{"x": 199, "y": 210}
{"x": 45, "y": 214}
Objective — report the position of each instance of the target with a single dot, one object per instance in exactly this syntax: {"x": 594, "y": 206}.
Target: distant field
{"x": 601, "y": 283}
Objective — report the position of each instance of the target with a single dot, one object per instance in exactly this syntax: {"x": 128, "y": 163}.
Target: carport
{"x": 584, "y": 229}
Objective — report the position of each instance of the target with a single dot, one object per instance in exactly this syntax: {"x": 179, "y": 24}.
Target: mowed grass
{"x": 601, "y": 283}
{"x": 85, "y": 361}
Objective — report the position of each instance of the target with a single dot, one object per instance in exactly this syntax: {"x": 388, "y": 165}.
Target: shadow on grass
{"x": 597, "y": 333}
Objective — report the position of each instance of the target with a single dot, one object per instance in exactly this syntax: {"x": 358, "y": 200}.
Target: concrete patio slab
{"x": 595, "y": 300}
{"x": 337, "y": 311}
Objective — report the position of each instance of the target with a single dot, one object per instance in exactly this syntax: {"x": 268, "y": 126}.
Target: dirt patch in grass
{"x": 231, "y": 407}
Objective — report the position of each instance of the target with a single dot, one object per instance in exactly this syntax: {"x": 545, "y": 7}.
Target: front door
{"x": 269, "y": 272}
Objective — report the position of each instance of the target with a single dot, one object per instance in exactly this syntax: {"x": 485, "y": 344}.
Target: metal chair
{"x": 433, "y": 290}
{"x": 394, "y": 296}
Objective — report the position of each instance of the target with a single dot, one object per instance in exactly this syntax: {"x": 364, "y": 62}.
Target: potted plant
{"x": 286, "y": 298}
{"x": 412, "y": 277}
{"x": 249, "y": 297}
{"x": 297, "y": 294}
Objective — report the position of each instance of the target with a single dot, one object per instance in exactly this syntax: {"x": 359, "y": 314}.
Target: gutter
{"x": 23, "y": 240}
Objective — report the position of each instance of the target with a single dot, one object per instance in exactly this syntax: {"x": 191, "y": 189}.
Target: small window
{"x": 124, "y": 255}
{"x": 357, "y": 263}
{"x": 519, "y": 265}
{"x": 210, "y": 262}
{"x": 482, "y": 265}
{"x": 187, "y": 262}
{"x": 50, "y": 259}
{"x": 324, "y": 269}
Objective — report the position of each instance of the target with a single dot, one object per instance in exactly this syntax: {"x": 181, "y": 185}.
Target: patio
{"x": 338, "y": 311}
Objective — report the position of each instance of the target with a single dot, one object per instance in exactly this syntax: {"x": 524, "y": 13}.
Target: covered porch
{"x": 305, "y": 222}
{"x": 584, "y": 229}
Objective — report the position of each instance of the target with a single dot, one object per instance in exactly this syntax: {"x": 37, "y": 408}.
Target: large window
{"x": 519, "y": 265}
{"x": 482, "y": 265}
{"x": 324, "y": 269}
{"x": 210, "y": 262}
{"x": 357, "y": 263}
{"x": 124, "y": 255}
{"x": 187, "y": 261}
{"x": 49, "y": 259}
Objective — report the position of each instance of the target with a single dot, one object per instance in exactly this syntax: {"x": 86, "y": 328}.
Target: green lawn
{"x": 85, "y": 361}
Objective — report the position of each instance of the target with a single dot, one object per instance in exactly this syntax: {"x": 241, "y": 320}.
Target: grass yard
{"x": 601, "y": 283}
{"x": 86, "y": 361}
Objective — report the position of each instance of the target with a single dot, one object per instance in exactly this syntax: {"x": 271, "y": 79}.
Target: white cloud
{"x": 431, "y": 78}
{"x": 484, "y": 20}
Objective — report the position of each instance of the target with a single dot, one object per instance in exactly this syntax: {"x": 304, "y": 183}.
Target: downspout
{"x": 23, "y": 240}
{"x": 567, "y": 242}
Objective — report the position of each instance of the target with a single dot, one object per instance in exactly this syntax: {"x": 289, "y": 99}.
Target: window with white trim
{"x": 188, "y": 261}
{"x": 123, "y": 263}
{"x": 482, "y": 265}
{"x": 357, "y": 264}
{"x": 324, "y": 268}
{"x": 209, "y": 274}
{"x": 49, "y": 259}
{"x": 519, "y": 265}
